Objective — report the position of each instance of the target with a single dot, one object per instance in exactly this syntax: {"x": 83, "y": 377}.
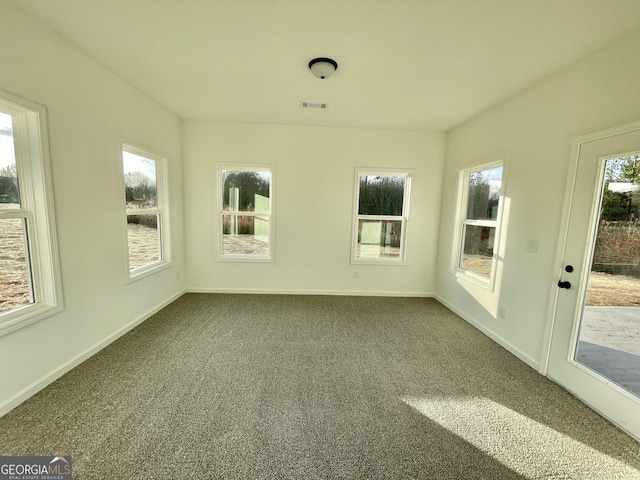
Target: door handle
{"x": 562, "y": 284}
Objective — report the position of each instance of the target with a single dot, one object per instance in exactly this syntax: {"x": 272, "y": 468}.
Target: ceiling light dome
{"x": 323, "y": 67}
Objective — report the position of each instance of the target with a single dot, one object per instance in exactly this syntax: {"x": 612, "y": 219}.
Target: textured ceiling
{"x": 403, "y": 64}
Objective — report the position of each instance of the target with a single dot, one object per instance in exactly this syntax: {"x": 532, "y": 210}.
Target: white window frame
{"x": 270, "y": 216}
{"x": 463, "y": 222}
{"x": 161, "y": 210}
{"x": 403, "y": 219}
{"x": 37, "y": 210}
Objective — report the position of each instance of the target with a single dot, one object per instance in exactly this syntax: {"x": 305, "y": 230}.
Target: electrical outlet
{"x": 533, "y": 246}
{"x": 355, "y": 274}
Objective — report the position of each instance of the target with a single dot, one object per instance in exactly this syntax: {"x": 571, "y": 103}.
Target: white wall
{"x": 535, "y": 130}
{"x": 89, "y": 112}
{"x": 313, "y": 181}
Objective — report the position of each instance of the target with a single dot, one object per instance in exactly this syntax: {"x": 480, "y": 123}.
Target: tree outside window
{"x": 381, "y": 216}
{"x": 245, "y": 213}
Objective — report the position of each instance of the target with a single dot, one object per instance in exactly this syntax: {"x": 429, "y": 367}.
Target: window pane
{"x": 245, "y": 235}
{"x": 9, "y": 193}
{"x": 245, "y": 191}
{"x": 15, "y": 290}
{"x": 144, "y": 239}
{"x": 381, "y": 195}
{"x": 484, "y": 194}
{"x": 477, "y": 254}
{"x": 140, "y": 181}
{"x": 379, "y": 239}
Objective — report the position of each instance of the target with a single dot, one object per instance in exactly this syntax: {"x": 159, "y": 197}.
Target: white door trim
{"x": 564, "y": 228}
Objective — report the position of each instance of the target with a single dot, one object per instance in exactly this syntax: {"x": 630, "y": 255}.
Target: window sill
{"x": 484, "y": 282}
{"x": 26, "y": 315}
{"x": 379, "y": 261}
{"x": 244, "y": 259}
{"x": 146, "y": 271}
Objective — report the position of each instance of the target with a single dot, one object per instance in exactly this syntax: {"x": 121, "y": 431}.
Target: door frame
{"x": 564, "y": 230}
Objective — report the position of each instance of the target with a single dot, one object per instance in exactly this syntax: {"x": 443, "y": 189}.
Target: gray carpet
{"x": 311, "y": 387}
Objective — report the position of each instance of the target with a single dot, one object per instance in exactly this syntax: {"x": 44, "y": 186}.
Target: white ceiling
{"x": 403, "y": 64}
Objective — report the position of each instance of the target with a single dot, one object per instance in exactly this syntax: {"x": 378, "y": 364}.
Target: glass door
{"x": 609, "y": 333}
{"x": 595, "y": 333}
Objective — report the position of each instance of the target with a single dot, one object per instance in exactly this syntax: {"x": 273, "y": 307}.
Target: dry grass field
{"x": 243, "y": 245}
{"x": 377, "y": 251}
{"x": 604, "y": 289}
{"x": 613, "y": 290}
{"x": 144, "y": 244}
{"x": 480, "y": 264}
{"x": 14, "y": 285}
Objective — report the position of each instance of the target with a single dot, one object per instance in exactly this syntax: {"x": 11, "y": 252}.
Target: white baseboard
{"x": 345, "y": 293}
{"x": 35, "y": 387}
{"x": 532, "y": 362}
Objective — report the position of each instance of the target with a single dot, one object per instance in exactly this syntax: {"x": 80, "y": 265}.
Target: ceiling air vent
{"x": 314, "y": 105}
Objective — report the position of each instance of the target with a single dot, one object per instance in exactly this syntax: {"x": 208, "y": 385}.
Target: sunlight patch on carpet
{"x": 520, "y": 443}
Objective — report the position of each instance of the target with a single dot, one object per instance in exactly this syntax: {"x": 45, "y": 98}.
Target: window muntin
{"x": 479, "y": 226}
{"x": 245, "y": 213}
{"x": 29, "y": 270}
{"x": 381, "y": 216}
{"x": 145, "y": 211}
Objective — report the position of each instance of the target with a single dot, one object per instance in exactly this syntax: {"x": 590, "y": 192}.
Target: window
{"x": 29, "y": 270}
{"x": 381, "y": 213}
{"x": 481, "y": 206}
{"x": 245, "y": 213}
{"x": 147, "y": 240}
